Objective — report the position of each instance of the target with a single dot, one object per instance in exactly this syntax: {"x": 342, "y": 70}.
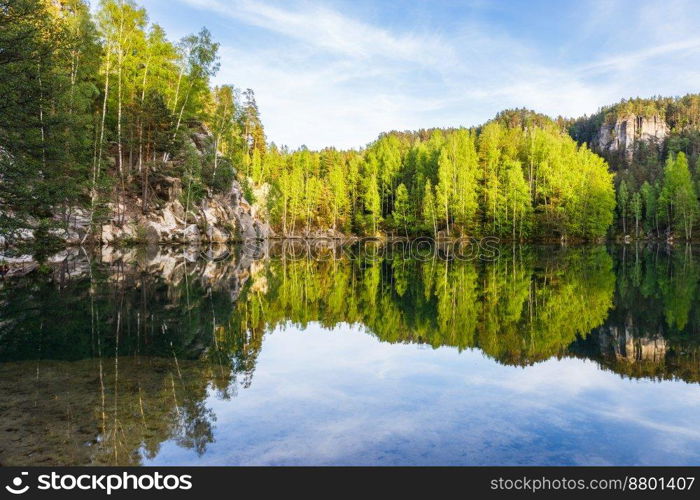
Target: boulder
{"x": 216, "y": 235}
{"x": 246, "y": 227}
{"x": 264, "y": 230}
{"x": 191, "y": 233}
{"x": 14, "y": 267}
{"x": 108, "y": 233}
{"x": 153, "y": 232}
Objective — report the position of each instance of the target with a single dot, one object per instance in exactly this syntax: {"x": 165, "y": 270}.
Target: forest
{"x": 97, "y": 107}
{"x": 657, "y": 185}
{"x": 516, "y": 177}
{"x": 527, "y": 305}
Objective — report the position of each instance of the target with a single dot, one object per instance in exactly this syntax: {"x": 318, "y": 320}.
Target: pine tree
{"x": 650, "y": 208}
{"x": 372, "y": 201}
{"x": 445, "y": 188}
{"x": 401, "y": 212}
{"x": 338, "y": 193}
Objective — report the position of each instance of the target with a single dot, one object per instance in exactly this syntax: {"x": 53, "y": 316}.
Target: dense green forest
{"x": 95, "y": 107}
{"x": 657, "y": 185}
{"x": 98, "y": 107}
{"x": 526, "y": 305}
{"x": 518, "y": 176}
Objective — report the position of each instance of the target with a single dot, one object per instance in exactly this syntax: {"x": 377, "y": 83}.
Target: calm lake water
{"x": 541, "y": 356}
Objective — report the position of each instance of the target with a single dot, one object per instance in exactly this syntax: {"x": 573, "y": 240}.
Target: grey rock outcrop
{"x": 623, "y": 134}
{"x": 217, "y": 218}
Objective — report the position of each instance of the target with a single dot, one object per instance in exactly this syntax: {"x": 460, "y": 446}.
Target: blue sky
{"x": 337, "y": 73}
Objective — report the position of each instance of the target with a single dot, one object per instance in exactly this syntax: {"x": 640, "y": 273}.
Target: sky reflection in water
{"x": 341, "y": 397}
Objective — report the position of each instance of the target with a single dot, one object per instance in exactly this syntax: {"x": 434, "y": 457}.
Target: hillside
{"x": 640, "y": 139}
{"x": 111, "y": 133}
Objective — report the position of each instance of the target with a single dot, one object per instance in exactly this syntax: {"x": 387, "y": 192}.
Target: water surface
{"x": 543, "y": 356}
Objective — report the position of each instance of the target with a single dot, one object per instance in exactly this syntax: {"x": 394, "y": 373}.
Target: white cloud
{"x": 324, "y": 77}
{"x": 325, "y": 29}
{"x": 340, "y": 396}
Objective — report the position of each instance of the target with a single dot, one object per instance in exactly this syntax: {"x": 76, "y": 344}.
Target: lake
{"x": 288, "y": 355}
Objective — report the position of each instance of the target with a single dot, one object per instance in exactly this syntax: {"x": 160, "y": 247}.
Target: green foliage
{"x": 101, "y": 107}
{"x": 648, "y": 161}
{"x": 429, "y": 212}
{"x": 678, "y": 199}
{"x": 372, "y": 201}
{"x": 218, "y": 180}
{"x": 649, "y": 199}
{"x": 402, "y": 211}
{"x": 45, "y": 124}
{"x": 248, "y": 193}
{"x": 193, "y": 188}
{"x": 680, "y": 113}
{"x": 636, "y": 211}
{"x": 518, "y": 309}
{"x": 518, "y": 177}
{"x": 623, "y": 197}
{"x": 96, "y": 108}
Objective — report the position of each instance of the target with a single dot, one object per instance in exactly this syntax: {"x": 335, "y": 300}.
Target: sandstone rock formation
{"x": 217, "y": 218}
{"x": 631, "y": 345}
{"x": 623, "y": 134}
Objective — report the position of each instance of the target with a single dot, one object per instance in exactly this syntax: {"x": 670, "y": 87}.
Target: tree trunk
{"x": 447, "y": 215}
{"x": 120, "y": 62}
{"x": 179, "y": 120}
{"x": 41, "y": 119}
{"x": 216, "y": 155}
{"x": 144, "y": 186}
{"x": 140, "y": 120}
{"x": 97, "y": 160}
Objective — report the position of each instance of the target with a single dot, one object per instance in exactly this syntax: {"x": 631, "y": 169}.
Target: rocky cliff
{"x": 215, "y": 218}
{"x": 622, "y": 134}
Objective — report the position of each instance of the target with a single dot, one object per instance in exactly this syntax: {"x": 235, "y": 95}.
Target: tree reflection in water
{"x": 105, "y": 358}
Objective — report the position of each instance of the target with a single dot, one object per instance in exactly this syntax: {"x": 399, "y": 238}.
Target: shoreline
{"x": 17, "y": 261}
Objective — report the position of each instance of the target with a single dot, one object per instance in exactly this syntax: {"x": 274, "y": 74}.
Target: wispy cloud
{"x": 329, "y": 74}
{"x": 326, "y": 29}
{"x": 636, "y": 58}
